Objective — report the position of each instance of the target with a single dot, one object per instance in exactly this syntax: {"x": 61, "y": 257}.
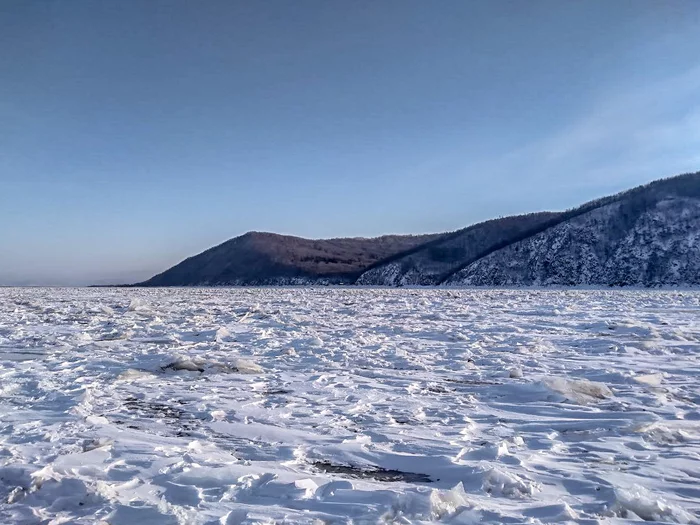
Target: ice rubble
{"x": 670, "y": 432}
{"x": 124, "y": 416}
{"x": 638, "y": 502}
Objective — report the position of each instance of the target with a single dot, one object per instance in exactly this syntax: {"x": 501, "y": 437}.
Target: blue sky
{"x": 134, "y": 134}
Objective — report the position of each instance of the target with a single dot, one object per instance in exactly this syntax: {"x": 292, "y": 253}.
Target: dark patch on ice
{"x": 375, "y": 473}
{"x": 438, "y": 389}
{"x": 277, "y": 392}
{"x": 154, "y": 409}
{"x": 201, "y": 366}
{"x": 177, "y": 366}
{"x": 8, "y": 353}
{"x": 184, "y": 423}
{"x": 249, "y": 449}
{"x": 474, "y": 382}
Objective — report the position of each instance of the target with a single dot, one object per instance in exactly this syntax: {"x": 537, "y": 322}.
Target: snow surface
{"x": 231, "y": 406}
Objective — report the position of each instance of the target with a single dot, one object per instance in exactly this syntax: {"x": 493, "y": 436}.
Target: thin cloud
{"x": 651, "y": 131}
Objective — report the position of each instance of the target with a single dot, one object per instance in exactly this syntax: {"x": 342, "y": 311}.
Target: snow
{"x": 348, "y": 405}
{"x": 639, "y": 502}
{"x": 580, "y": 391}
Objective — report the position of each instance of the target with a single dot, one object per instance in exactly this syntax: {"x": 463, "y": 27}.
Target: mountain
{"x": 646, "y": 239}
{"x": 431, "y": 263}
{"x": 269, "y": 259}
{"x": 646, "y": 236}
{"x": 649, "y": 236}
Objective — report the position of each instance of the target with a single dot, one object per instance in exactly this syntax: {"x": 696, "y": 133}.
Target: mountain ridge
{"x": 479, "y": 254}
{"x": 260, "y": 258}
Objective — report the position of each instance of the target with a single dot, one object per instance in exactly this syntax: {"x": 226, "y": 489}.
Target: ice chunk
{"x": 132, "y": 374}
{"x": 501, "y": 482}
{"x": 445, "y": 504}
{"x": 649, "y": 379}
{"x": 665, "y": 433}
{"x": 515, "y": 373}
{"x": 138, "y": 306}
{"x": 329, "y": 489}
{"x": 580, "y": 391}
{"x": 560, "y": 512}
{"x": 187, "y": 364}
{"x": 106, "y": 310}
{"x": 637, "y": 501}
{"x": 485, "y": 452}
{"x": 235, "y": 517}
{"x": 221, "y": 334}
{"x": 218, "y": 415}
{"x": 17, "y": 494}
{"x": 309, "y": 487}
{"x": 245, "y": 366}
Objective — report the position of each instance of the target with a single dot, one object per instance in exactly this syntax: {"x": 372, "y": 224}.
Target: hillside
{"x": 270, "y": 259}
{"x": 430, "y": 263}
{"x": 646, "y": 236}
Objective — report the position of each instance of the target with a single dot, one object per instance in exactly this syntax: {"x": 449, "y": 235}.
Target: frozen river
{"x": 228, "y": 406}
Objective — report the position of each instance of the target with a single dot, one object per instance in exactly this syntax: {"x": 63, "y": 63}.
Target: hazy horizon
{"x": 138, "y": 134}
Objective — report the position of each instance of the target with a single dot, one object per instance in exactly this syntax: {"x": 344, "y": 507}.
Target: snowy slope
{"x": 613, "y": 245}
{"x": 299, "y": 406}
{"x": 428, "y": 264}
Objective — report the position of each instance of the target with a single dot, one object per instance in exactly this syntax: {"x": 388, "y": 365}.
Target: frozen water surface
{"x": 227, "y": 406}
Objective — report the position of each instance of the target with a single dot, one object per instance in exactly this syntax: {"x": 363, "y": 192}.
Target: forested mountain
{"x": 650, "y": 237}
{"x": 646, "y": 236}
{"x": 269, "y": 259}
{"x": 432, "y": 262}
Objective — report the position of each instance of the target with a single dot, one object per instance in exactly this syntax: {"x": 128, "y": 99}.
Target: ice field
{"x": 342, "y": 405}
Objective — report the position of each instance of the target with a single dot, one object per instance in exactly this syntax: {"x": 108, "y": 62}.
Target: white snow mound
{"x": 499, "y": 482}
{"x": 581, "y": 391}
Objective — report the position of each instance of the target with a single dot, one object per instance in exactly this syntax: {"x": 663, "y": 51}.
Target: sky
{"x": 134, "y": 134}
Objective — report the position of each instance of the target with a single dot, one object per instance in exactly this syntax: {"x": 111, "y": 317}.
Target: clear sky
{"x": 136, "y": 133}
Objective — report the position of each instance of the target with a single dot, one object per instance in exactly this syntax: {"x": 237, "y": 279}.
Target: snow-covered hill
{"x": 430, "y": 263}
{"x": 607, "y": 246}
